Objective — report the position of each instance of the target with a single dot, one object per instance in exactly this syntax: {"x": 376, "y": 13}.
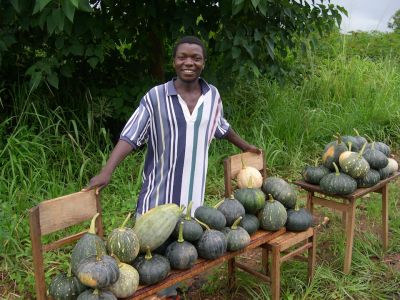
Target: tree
{"x": 394, "y": 22}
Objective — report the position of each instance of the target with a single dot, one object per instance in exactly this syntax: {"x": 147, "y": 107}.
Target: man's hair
{"x": 190, "y": 40}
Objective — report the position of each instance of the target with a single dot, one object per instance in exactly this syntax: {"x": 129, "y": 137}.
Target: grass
{"x": 46, "y": 153}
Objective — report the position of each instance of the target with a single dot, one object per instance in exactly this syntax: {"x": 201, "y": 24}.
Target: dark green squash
{"x": 232, "y": 209}
{"x": 96, "y": 295}
{"x": 161, "y": 249}
{"x": 123, "y": 242}
{"x": 192, "y": 230}
{"x": 332, "y": 152}
{"x": 212, "y": 243}
{"x": 252, "y": 199}
{"x": 273, "y": 216}
{"x": 98, "y": 271}
{"x": 86, "y": 246}
{"x": 152, "y": 268}
{"x": 346, "y": 139}
{"x": 354, "y": 164}
{"x": 280, "y": 190}
{"x": 376, "y": 159}
{"x": 128, "y": 280}
{"x": 298, "y": 219}
{"x": 65, "y": 286}
{"x": 359, "y": 141}
{"x": 211, "y": 216}
{"x": 369, "y": 180}
{"x": 181, "y": 254}
{"x": 250, "y": 223}
{"x": 314, "y": 174}
{"x": 237, "y": 237}
{"x": 384, "y": 148}
{"x": 338, "y": 183}
{"x": 384, "y": 172}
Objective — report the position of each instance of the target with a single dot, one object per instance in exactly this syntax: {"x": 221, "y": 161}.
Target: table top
{"x": 356, "y": 194}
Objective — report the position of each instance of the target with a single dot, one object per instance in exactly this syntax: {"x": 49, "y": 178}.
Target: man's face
{"x": 188, "y": 62}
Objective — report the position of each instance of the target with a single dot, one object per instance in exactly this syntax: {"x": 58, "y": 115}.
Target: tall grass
{"x": 47, "y": 153}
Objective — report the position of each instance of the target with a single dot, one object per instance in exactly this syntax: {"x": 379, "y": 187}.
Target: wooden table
{"x": 259, "y": 238}
{"x": 347, "y": 205}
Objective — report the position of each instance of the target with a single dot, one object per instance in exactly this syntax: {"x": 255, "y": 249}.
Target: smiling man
{"x": 177, "y": 120}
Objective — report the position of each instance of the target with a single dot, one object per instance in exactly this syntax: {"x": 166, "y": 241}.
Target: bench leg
{"x": 276, "y": 273}
{"x": 351, "y": 214}
{"x": 264, "y": 260}
{"x": 385, "y": 217}
{"x": 312, "y": 256}
{"x": 231, "y": 273}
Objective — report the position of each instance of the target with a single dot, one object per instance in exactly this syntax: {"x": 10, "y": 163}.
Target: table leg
{"x": 276, "y": 273}
{"x": 344, "y": 216}
{"x": 385, "y": 217}
{"x": 231, "y": 273}
{"x": 351, "y": 215}
{"x": 310, "y": 204}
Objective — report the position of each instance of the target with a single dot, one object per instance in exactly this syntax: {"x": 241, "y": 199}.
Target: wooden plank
{"x": 63, "y": 241}
{"x": 253, "y": 272}
{"x": 290, "y": 239}
{"x": 330, "y": 203}
{"x": 351, "y": 215}
{"x": 57, "y": 214}
{"x": 385, "y": 217}
{"x": 250, "y": 159}
{"x": 258, "y": 238}
{"x": 296, "y": 252}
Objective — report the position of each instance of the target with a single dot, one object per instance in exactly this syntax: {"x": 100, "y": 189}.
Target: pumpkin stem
{"x": 243, "y": 164}
{"x": 96, "y": 292}
{"x": 336, "y": 169}
{"x": 202, "y": 224}
{"x": 125, "y": 221}
{"x": 236, "y": 223}
{"x": 180, "y": 235}
{"x": 270, "y": 198}
{"x": 356, "y": 131}
{"x": 69, "y": 274}
{"x": 92, "y": 228}
{"x": 232, "y": 197}
{"x": 219, "y": 203}
{"x": 148, "y": 255}
{"x": 296, "y": 207}
{"x": 362, "y": 150}
{"x": 349, "y": 143}
{"x": 116, "y": 259}
{"x": 189, "y": 211}
{"x": 250, "y": 182}
{"x": 369, "y": 138}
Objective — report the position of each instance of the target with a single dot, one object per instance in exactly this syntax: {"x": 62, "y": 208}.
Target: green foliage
{"x": 394, "y": 22}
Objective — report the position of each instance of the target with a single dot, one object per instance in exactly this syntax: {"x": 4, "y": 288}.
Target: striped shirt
{"x": 177, "y": 152}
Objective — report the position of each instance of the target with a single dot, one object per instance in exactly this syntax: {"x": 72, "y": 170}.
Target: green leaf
{"x": 58, "y": 18}
{"x": 36, "y": 78}
{"x": 76, "y": 49}
{"x": 51, "y": 25}
{"x": 36, "y": 8}
{"x": 235, "y": 52}
{"x": 75, "y": 3}
{"x": 15, "y": 4}
{"x": 3, "y": 46}
{"x": 262, "y": 6}
{"x": 59, "y": 43}
{"x": 43, "y": 3}
{"x": 68, "y": 9}
{"x": 84, "y": 5}
{"x": 237, "y": 6}
{"x": 52, "y": 79}
{"x": 93, "y": 61}
{"x": 270, "y": 48}
{"x": 255, "y": 3}
{"x": 257, "y": 35}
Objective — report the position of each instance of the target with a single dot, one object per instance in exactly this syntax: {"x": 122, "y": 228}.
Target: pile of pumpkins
{"x": 164, "y": 238}
{"x": 351, "y": 162}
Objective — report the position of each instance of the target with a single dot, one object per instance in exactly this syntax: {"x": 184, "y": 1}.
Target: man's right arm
{"x": 120, "y": 151}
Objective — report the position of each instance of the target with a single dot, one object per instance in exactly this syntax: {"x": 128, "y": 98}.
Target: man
{"x": 177, "y": 120}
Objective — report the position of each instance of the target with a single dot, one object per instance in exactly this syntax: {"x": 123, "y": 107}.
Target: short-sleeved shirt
{"x": 177, "y": 144}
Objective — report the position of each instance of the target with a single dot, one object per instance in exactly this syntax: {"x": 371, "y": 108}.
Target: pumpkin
{"x": 88, "y": 245}
{"x": 338, "y": 183}
{"x": 376, "y": 159}
{"x": 192, "y": 230}
{"x": 332, "y": 152}
{"x": 273, "y": 215}
{"x": 128, "y": 280}
{"x": 385, "y": 149}
{"x": 280, "y": 191}
{"x": 237, "y": 237}
{"x": 252, "y": 199}
{"x": 393, "y": 166}
{"x": 354, "y": 164}
{"x": 98, "y": 271}
{"x": 250, "y": 223}
{"x": 231, "y": 209}
{"x": 161, "y": 249}
{"x": 96, "y": 295}
{"x": 123, "y": 242}
{"x": 384, "y": 172}
{"x": 155, "y": 226}
{"x": 313, "y": 174}
{"x": 247, "y": 173}
{"x": 298, "y": 219}
{"x": 369, "y": 180}
{"x": 65, "y": 286}
{"x": 181, "y": 254}
{"x": 212, "y": 243}
{"x": 152, "y": 268}
{"x": 210, "y": 216}
{"x": 359, "y": 140}
{"x": 346, "y": 139}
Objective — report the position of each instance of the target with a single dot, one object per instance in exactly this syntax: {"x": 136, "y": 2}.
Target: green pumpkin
{"x": 123, "y": 242}
{"x": 127, "y": 283}
{"x": 65, "y": 286}
{"x": 87, "y": 246}
{"x": 273, "y": 216}
{"x": 210, "y": 216}
{"x": 251, "y": 198}
{"x": 231, "y": 209}
{"x": 182, "y": 255}
{"x": 298, "y": 219}
{"x": 155, "y": 226}
{"x": 384, "y": 172}
{"x": 212, "y": 243}
{"x": 338, "y": 183}
{"x": 280, "y": 190}
{"x": 237, "y": 237}
{"x": 359, "y": 141}
{"x": 385, "y": 149}
{"x": 152, "y": 268}
{"x": 98, "y": 271}
{"x": 250, "y": 223}
{"x": 376, "y": 159}
{"x": 354, "y": 164}
{"x": 314, "y": 174}
{"x": 96, "y": 295}
{"x": 332, "y": 152}
{"x": 192, "y": 230}
{"x": 369, "y": 180}
{"x": 346, "y": 139}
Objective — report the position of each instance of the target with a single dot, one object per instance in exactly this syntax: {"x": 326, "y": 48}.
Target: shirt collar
{"x": 171, "y": 91}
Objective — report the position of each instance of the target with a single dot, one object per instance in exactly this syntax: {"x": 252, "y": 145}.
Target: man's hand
{"x": 253, "y": 149}
{"x": 98, "y": 182}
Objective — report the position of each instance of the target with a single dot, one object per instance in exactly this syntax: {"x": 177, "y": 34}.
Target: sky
{"x": 367, "y": 15}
